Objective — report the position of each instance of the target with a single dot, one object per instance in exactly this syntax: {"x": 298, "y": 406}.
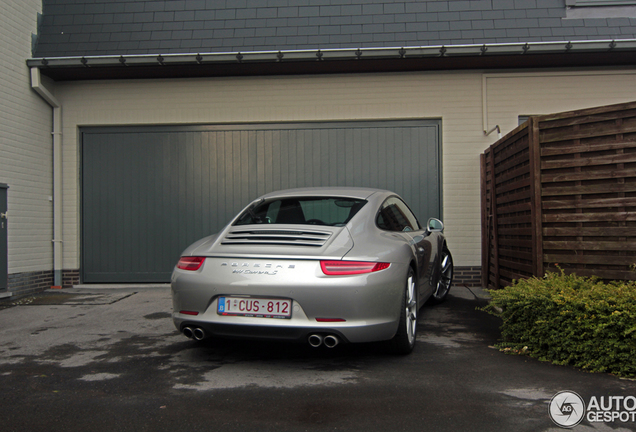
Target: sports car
{"x": 319, "y": 265}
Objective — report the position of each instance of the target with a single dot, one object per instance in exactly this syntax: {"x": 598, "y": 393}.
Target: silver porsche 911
{"x": 320, "y": 265}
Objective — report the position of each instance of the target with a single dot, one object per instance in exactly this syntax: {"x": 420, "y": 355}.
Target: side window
{"x": 272, "y": 211}
{"x": 396, "y": 216}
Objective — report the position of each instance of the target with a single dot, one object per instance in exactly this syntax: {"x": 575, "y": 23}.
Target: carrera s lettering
{"x": 256, "y": 272}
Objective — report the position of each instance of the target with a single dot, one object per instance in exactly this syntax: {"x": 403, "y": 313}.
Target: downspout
{"x": 484, "y": 109}
{"x": 40, "y": 88}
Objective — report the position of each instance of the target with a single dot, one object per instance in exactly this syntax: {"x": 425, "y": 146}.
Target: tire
{"x": 445, "y": 279}
{"x": 404, "y": 340}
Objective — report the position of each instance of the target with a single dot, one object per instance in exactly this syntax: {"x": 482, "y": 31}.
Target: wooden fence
{"x": 561, "y": 190}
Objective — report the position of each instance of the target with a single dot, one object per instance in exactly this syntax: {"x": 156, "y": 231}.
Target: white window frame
{"x": 582, "y": 9}
{"x": 594, "y": 3}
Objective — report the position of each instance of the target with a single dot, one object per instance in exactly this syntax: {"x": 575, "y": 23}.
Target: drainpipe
{"x": 40, "y": 88}
{"x": 484, "y": 109}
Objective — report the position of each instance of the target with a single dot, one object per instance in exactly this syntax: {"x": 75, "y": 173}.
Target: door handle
{"x": 4, "y": 215}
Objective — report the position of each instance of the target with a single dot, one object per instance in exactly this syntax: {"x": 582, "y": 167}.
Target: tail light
{"x": 190, "y": 263}
{"x": 339, "y": 268}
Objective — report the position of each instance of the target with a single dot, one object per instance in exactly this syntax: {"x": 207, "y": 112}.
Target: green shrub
{"x": 570, "y": 320}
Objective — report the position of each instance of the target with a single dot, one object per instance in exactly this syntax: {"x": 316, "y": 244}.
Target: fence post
{"x": 535, "y": 196}
{"x": 485, "y": 235}
{"x": 493, "y": 217}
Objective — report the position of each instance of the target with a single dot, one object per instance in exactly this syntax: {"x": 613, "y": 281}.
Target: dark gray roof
{"x": 132, "y": 27}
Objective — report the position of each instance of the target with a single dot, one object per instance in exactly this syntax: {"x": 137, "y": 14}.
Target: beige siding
{"x": 25, "y": 143}
{"x": 553, "y": 92}
{"x": 457, "y": 98}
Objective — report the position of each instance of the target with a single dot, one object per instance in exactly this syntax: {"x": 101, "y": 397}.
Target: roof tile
{"x": 461, "y": 25}
{"x": 225, "y": 14}
{"x": 175, "y": 5}
{"x": 132, "y": 7}
{"x": 437, "y": 6}
{"x": 268, "y": 12}
{"x": 145, "y": 26}
{"x": 372, "y": 9}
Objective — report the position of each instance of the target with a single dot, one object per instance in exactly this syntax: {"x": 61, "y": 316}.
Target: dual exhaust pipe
{"x": 330, "y": 341}
{"x": 315, "y": 340}
{"x": 196, "y": 333}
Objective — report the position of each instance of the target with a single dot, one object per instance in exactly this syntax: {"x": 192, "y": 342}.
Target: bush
{"x": 570, "y": 320}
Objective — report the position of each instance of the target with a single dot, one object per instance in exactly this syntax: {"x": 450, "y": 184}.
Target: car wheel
{"x": 404, "y": 340}
{"x": 445, "y": 277}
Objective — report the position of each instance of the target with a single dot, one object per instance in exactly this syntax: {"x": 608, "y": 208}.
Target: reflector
{"x": 185, "y": 312}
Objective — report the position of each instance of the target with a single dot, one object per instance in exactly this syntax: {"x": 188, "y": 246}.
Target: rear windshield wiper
{"x": 254, "y": 216}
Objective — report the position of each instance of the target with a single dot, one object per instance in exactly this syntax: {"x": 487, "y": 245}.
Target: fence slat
{"x": 591, "y": 259}
{"x": 586, "y": 148}
{"x": 589, "y": 161}
{"x": 589, "y": 175}
{"x": 590, "y": 217}
{"x": 590, "y": 203}
{"x": 588, "y": 231}
{"x": 590, "y": 245}
{"x": 589, "y": 189}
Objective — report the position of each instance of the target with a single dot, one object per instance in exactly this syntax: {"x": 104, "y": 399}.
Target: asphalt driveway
{"x": 111, "y": 360}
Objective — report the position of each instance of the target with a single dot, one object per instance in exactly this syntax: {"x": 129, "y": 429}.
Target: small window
{"x": 394, "y": 215}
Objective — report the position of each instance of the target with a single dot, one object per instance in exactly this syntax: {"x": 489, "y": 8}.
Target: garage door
{"x": 148, "y": 192}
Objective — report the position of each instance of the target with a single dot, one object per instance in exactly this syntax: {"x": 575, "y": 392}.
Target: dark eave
{"x": 355, "y": 60}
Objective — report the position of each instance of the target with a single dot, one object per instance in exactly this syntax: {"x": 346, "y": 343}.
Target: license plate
{"x": 254, "y": 307}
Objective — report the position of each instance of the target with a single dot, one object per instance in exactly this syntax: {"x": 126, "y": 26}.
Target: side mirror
{"x": 434, "y": 225}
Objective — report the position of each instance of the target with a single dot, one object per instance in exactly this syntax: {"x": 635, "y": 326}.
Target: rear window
{"x": 333, "y": 211}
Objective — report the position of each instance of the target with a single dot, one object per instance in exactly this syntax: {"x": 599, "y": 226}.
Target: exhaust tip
{"x": 331, "y": 341}
{"x": 187, "y": 332}
{"x": 315, "y": 340}
{"x": 198, "y": 333}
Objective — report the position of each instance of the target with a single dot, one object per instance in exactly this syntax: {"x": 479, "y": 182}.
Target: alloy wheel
{"x": 411, "y": 309}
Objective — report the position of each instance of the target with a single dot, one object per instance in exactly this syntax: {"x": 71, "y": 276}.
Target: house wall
{"x": 25, "y": 152}
{"x": 458, "y": 98}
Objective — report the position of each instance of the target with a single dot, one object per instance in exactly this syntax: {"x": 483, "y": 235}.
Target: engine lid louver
{"x": 277, "y": 237}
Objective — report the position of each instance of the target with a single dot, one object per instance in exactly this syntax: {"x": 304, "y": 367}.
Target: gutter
{"x": 47, "y": 95}
{"x": 413, "y": 52}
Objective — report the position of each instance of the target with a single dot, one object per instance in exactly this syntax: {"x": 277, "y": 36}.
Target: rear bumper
{"x": 289, "y": 333}
{"x": 369, "y": 304}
